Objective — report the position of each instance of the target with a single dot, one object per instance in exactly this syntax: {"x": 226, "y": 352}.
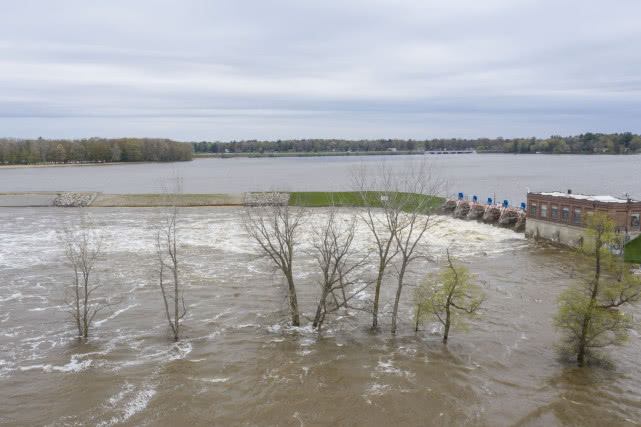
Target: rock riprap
{"x": 74, "y": 200}
{"x": 266, "y": 199}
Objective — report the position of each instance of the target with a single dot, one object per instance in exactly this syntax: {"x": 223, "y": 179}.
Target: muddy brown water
{"x": 240, "y": 364}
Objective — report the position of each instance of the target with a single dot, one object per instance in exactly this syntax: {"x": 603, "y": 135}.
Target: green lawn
{"x": 633, "y": 251}
{"x": 353, "y": 198}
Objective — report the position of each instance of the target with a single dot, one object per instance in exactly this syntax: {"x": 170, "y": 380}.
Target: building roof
{"x": 602, "y": 199}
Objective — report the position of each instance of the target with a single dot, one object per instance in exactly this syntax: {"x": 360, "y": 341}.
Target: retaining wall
{"x": 559, "y": 233}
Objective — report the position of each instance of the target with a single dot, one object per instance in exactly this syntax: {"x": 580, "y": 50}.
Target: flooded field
{"x": 240, "y": 364}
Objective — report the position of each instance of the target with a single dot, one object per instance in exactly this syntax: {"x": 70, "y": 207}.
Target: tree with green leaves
{"x": 590, "y": 314}
{"x": 60, "y": 153}
{"x": 448, "y": 296}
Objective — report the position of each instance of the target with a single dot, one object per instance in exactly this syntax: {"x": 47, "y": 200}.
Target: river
{"x": 240, "y": 364}
{"x": 500, "y": 176}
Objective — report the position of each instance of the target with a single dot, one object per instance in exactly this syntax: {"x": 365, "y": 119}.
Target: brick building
{"x": 562, "y": 216}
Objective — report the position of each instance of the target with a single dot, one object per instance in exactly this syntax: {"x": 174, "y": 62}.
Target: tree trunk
{"x": 85, "y": 312}
{"x": 319, "y": 309}
{"x": 344, "y": 298}
{"x": 399, "y": 289}
{"x": 446, "y": 333}
{"x": 379, "y": 281}
{"x": 418, "y": 316}
{"x": 176, "y": 305}
{"x": 293, "y": 301}
{"x": 78, "y": 306}
{"x": 580, "y": 358}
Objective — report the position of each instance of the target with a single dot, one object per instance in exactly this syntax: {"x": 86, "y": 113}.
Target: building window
{"x": 636, "y": 220}
{"x": 577, "y": 216}
{"x": 544, "y": 210}
{"x": 533, "y": 209}
{"x": 554, "y": 211}
{"x": 565, "y": 214}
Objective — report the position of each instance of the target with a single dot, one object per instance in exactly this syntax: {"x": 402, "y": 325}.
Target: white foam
{"x": 115, "y": 314}
{"x": 118, "y": 397}
{"x": 133, "y": 406}
{"x": 17, "y": 295}
{"x": 138, "y": 403}
{"x": 211, "y": 380}
{"x": 73, "y": 366}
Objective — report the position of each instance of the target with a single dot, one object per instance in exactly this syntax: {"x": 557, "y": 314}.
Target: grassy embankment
{"x": 633, "y": 251}
{"x": 308, "y": 198}
{"x": 311, "y": 199}
{"x": 354, "y": 199}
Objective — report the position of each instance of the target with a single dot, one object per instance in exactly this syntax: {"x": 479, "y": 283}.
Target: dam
{"x": 502, "y": 215}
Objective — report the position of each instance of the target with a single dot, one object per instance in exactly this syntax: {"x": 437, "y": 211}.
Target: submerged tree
{"x": 275, "y": 226}
{"x": 397, "y": 210}
{"x": 337, "y": 261}
{"x": 590, "y": 315}
{"x": 84, "y": 299}
{"x": 416, "y": 205}
{"x": 168, "y": 256}
{"x": 376, "y": 192}
{"x": 449, "y": 297}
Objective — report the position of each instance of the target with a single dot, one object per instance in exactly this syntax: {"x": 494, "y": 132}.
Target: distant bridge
{"x": 450, "y": 151}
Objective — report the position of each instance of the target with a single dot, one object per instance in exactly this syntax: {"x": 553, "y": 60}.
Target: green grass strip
{"x": 409, "y": 201}
{"x": 633, "y": 251}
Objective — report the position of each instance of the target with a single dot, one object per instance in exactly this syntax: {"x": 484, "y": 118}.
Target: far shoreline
{"x": 55, "y": 165}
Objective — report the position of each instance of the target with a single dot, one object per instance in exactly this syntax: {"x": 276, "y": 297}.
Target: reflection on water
{"x": 240, "y": 363}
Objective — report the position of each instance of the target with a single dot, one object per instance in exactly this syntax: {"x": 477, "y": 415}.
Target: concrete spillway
{"x": 503, "y": 216}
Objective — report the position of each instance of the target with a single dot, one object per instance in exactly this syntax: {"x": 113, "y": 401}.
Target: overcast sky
{"x": 207, "y": 70}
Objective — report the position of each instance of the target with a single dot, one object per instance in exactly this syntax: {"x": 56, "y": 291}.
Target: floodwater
{"x": 240, "y": 364}
{"x": 500, "y": 176}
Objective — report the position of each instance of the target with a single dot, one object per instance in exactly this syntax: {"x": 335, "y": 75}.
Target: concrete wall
{"x": 559, "y": 233}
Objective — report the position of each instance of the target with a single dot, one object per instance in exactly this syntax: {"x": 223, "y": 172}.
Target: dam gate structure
{"x": 502, "y": 214}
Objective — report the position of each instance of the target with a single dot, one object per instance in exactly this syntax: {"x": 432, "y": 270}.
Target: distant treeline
{"x": 34, "y": 151}
{"x": 582, "y": 144}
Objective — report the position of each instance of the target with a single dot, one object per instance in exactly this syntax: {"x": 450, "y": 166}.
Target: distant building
{"x": 561, "y": 217}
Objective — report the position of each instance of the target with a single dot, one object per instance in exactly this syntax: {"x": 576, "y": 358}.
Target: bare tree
{"x": 415, "y": 207}
{"x": 397, "y": 209}
{"x": 337, "y": 260}
{"x": 168, "y": 256}
{"x": 375, "y": 194}
{"x": 275, "y": 226}
{"x": 82, "y": 249}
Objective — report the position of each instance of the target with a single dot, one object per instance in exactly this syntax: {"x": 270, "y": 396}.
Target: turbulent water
{"x": 240, "y": 364}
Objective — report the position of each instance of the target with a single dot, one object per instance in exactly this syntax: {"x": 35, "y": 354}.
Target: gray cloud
{"x": 285, "y": 69}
